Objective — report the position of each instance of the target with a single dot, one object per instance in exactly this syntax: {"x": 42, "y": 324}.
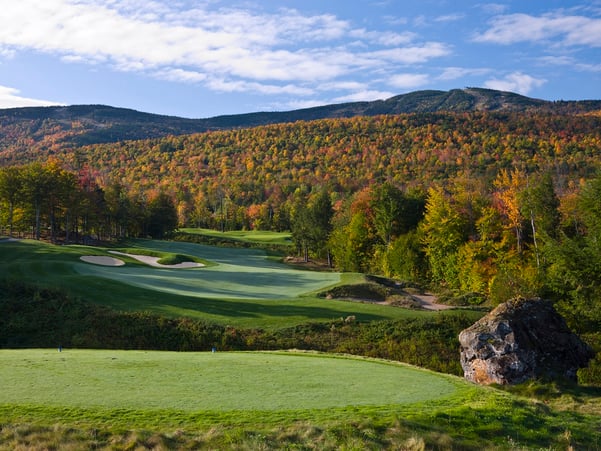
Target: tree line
{"x": 47, "y": 201}
{"x": 513, "y": 237}
{"x": 251, "y": 178}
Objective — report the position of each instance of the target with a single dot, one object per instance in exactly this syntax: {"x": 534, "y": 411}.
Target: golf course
{"x": 228, "y": 298}
{"x": 241, "y": 287}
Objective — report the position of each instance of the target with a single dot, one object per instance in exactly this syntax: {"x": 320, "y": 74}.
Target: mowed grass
{"x": 241, "y": 287}
{"x": 246, "y": 236}
{"x": 260, "y": 400}
{"x": 220, "y": 381}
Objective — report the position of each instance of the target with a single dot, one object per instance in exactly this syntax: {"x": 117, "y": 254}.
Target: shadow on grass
{"x": 127, "y": 298}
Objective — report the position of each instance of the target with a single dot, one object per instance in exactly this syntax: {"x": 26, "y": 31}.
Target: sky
{"x": 203, "y": 58}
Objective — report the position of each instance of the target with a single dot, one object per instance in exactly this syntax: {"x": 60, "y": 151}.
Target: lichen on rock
{"x": 519, "y": 340}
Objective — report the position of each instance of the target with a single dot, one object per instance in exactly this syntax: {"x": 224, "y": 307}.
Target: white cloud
{"x": 493, "y": 8}
{"x": 298, "y": 104}
{"x": 565, "y": 29}
{"x": 364, "y": 96}
{"x": 569, "y": 61}
{"x": 343, "y": 86}
{"x": 253, "y": 87}
{"x": 515, "y": 82}
{"x": 409, "y": 81}
{"x": 454, "y": 73}
{"x": 414, "y": 54}
{"x": 10, "y": 98}
{"x": 384, "y": 38}
{"x": 182, "y": 75}
{"x": 227, "y": 49}
{"x": 449, "y": 18}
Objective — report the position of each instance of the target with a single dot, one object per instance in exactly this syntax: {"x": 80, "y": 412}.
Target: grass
{"x": 242, "y": 287}
{"x": 192, "y": 382}
{"x": 108, "y": 399}
{"x": 245, "y": 236}
{"x": 80, "y": 399}
{"x": 165, "y": 258}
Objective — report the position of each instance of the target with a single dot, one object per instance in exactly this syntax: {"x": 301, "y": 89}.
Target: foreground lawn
{"x": 239, "y": 287}
{"x": 134, "y": 400}
{"x": 218, "y": 382}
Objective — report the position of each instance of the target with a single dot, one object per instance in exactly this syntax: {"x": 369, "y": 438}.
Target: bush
{"x": 36, "y": 317}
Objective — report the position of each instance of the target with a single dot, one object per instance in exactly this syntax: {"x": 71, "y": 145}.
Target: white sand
{"x": 100, "y": 260}
{"x": 153, "y": 261}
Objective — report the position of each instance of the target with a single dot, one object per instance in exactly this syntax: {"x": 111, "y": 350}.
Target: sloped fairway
{"x": 239, "y": 274}
{"x": 238, "y": 287}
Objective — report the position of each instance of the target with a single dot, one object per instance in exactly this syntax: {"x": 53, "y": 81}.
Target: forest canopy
{"x": 482, "y": 205}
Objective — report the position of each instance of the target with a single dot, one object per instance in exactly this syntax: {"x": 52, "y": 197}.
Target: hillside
{"x": 52, "y": 128}
{"x": 266, "y": 165}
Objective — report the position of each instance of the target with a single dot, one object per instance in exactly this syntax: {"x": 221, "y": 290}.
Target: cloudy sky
{"x": 202, "y": 58}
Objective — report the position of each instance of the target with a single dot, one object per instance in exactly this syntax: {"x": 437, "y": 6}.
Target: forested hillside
{"x": 265, "y": 166}
{"x": 481, "y": 205}
{"x": 48, "y": 129}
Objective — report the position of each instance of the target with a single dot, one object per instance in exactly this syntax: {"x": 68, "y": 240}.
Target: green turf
{"x": 210, "y": 381}
{"x": 243, "y": 287}
{"x": 239, "y": 274}
{"x": 262, "y": 400}
{"x": 247, "y": 236}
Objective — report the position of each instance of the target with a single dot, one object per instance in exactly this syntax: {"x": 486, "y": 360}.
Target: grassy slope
{"x": 246, "y": 236}
{"x": 471, "y": 418}
{"x": 244, "y": 288}
{"x": 263, "y": 400}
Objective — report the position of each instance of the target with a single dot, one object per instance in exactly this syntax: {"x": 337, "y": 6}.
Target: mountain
{"x": 73, "y": 126}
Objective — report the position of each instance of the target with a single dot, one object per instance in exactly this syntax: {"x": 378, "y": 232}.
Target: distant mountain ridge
{"x": 93, "y": 124}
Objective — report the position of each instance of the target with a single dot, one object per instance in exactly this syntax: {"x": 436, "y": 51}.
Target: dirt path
{"x": 428, "y": 302}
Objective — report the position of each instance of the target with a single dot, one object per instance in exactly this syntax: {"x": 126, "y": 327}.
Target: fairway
{"x": 239, "y": 287}
{"x": 245, "y": 236}
{"x": 218, "y": 381}
{"x": 239, "y": 274}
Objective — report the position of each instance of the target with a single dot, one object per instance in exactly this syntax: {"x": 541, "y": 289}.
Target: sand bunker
{"x": 100, "y": 260}
{"x": 153, "y": 261}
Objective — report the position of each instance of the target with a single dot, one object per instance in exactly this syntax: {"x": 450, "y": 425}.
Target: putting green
{"x": 210, "y": 381}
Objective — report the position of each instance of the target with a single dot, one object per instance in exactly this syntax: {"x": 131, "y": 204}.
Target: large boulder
{"x": 519, "y": 340}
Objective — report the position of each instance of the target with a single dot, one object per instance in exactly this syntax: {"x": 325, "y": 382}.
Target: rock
{"x": 519, "y": 340}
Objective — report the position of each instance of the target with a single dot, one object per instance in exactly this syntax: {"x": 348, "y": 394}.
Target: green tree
{"x": 540, "y": 205}
{"x": 574, "y": 269}
{"x": 11, "y": 186}
{"x": 387, "y": 205}
{"x": 444, "y": 231}
{"x": 406, "y": 259}
{"x": 301, "y": 227}
{"x": 38, "y": 184}
{"x": 162, "y": 216}
{"x": 312, "y": 224}
{"x": 352, "y": 244}
{"x": 320, "y": 217}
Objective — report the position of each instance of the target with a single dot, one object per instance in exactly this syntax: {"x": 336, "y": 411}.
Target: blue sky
{"x": 202, "y": 58}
